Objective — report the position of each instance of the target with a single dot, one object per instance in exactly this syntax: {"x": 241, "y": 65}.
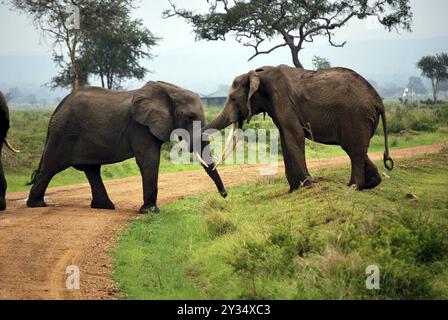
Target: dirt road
{"x": 36, "y": 246}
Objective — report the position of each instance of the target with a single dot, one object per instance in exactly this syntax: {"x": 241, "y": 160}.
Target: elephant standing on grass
{"x": 335, "y": 106}
{"x": 93, "y": 126}
{"x": 4, "y": 127}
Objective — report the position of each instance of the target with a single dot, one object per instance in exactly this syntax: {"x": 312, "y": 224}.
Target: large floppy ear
{"x": 254, "y": 86}
{"x": 152, "y": 108}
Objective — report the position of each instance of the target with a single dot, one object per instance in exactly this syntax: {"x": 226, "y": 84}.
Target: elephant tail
{"x": 33, "y": 177}
{"x": 388, "y": 162}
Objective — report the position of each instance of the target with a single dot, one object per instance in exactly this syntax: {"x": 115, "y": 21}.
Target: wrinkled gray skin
{"x": 4, "y": 127}
{"x": 335, "y": 106}
{"x": 94, "y": 126}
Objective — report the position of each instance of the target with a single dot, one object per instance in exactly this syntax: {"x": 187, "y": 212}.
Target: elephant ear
{"x": 152, "y": 108}
{"x": 254, "y": 86}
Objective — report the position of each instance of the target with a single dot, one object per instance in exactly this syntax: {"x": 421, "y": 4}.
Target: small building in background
{"x": 216, "y": 99}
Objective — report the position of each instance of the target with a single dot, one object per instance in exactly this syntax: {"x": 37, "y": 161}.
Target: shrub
{"x": 218, "y": 225}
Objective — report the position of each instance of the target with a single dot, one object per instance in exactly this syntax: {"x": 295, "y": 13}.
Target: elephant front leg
{"x": 293, "y": 147}
{"x": 149, "y": 168}
{"x": 100, "y": 198}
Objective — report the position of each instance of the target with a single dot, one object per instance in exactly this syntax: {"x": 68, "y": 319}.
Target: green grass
{"x": 263, "y": 243}
{"x": 29, "y": 128}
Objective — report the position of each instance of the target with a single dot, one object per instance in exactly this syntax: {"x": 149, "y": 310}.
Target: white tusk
{"x": 10, "y": 147}
{"x": 229, "y": 140}
{"x": 201, "y": 160}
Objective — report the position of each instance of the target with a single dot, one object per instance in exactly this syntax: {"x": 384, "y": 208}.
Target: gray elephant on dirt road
{"x": 335, "y": 106}
{"x": 4, "y": 127}
{"x": 93, "y": 126}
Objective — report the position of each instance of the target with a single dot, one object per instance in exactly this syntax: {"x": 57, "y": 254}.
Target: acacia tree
{"x": 254, "y": 23}
{"x": 436, "y": 69}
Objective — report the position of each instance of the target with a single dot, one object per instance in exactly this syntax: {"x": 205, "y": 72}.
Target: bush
{"x": 423, "y": 120}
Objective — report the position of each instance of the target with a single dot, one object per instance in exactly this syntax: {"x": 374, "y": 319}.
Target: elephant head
{"x": 245, "y": 100}
{"x": 163, "y": 108}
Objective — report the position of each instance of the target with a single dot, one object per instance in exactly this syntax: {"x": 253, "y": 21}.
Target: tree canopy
{"x": 256, "y": 23}
{"x": 111, "y": 49}
{"x": 108, "y": 44}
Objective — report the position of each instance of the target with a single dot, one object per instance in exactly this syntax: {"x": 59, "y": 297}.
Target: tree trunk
{"x": 75, "y": 84}
{"x": 295, "y": 58}
{"x": 434, "y": 91}
{"x": 294, "y": 49}
{"x": 75, "y": 74}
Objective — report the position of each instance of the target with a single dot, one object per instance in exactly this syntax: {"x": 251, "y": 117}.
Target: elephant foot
{"x": 108, "y": 205}
{"x": 36, "y": 203}
{"x": 2, "y": 204}
{"x": 372, "y": 182}
{"x": 355, "y": 187}
{"x": 308, "y": 182}
{"x": 149, "y": 210}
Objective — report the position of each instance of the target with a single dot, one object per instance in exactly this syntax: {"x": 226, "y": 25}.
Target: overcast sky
{"x": 204, "y": 65}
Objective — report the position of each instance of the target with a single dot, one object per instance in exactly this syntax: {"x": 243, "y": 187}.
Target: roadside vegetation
{"x": 408, "y": 128}
{"x": 263, "y": 243}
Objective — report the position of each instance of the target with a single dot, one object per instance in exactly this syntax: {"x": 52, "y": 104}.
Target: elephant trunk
{"x": 212, "y": 173}
{"x": 223, "y": 120}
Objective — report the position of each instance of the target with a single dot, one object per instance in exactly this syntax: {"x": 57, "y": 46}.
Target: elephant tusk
{"x": 227, "y": 145}
{"x": 201, "y": 160}
{"x": 10, "y": 147}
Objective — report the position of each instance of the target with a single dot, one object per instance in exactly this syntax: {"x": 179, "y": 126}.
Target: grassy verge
{"x": 263, "y": 243}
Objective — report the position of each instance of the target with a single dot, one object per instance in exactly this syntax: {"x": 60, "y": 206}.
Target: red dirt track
{"x": 37, "y": 245}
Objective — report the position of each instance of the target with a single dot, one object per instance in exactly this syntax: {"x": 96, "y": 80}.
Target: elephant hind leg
{"x": 358, "y": 171}
{"x": 37, "y": 193}
{"x": 100, "y": 197}
{"x": 53, "y": 161}
{"x": 372, "y": 177}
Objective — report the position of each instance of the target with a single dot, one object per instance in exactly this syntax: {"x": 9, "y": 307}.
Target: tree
{"x": 415, "y": 86}
{"x": 52, "y": 17}
{"x": 99, "y": 23}
{"x": 321, "y": 63}
{"x": 116, "y": 49}
{"x": 256, "y": 22}
{"x": 111, "y": 50}
{"x": 436, "y": 69}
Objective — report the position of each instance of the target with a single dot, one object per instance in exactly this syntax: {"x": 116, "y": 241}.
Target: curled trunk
{"x": 209, "y": 168}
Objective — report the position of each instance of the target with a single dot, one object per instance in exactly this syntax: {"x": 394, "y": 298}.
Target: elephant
{"x": 93, "y": 126}
{"x": 336, "y": 106}
{"x": 4, "y": 127}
